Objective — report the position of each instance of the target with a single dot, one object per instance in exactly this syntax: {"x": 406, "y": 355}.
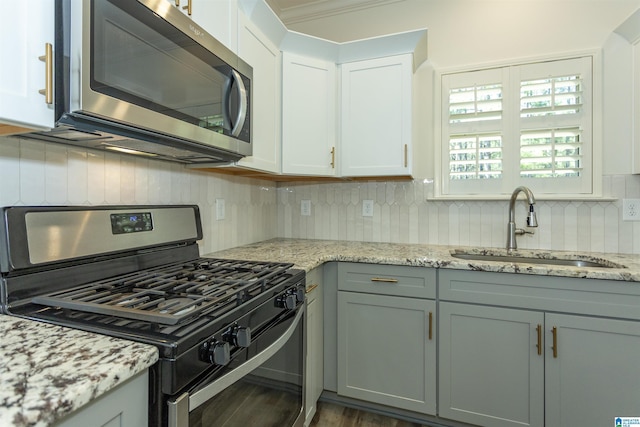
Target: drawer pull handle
{"x": 430, "y": 326}
{"x": 188, "y": 7}
{"x": 539, "y": 345}
{"x": 311, "y": 288}
{"x": 384, "y": 279}
{"x": 333, "y": 157}
{"x": 554, "y": 331}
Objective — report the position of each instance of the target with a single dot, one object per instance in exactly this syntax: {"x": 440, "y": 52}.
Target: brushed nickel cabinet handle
{"x": 384, "y": 280}
{"x": 430, "y": 326}
{"x": 554, "y": 331}
{"x": 47, "y": 58}
{"x": 311, "y": 288}
{"x": 333, "y": 157}
{"x": 187, "y": 7}
{"x": 539, "y": 345}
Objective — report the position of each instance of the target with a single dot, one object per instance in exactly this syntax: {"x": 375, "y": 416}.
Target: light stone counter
{"x": 308, "y": 254}
{"x": 49, "y": 371}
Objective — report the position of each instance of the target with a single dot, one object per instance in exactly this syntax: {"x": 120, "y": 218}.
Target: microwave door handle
{"x": 242, "y": 107}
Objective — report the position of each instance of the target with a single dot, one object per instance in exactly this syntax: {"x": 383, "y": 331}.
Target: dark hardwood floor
{"x": 332, "y": 415}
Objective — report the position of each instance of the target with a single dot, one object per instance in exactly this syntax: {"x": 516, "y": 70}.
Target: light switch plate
{"x": 220, "y": 213}
{"x": 305, "y": 208}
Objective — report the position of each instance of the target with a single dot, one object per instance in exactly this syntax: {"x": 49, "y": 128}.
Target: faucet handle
{"x": 520, "y": 232}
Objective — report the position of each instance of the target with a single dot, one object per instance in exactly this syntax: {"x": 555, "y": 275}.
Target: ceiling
{"x": 295, "y": 11}
{"x": 465, "y": 32}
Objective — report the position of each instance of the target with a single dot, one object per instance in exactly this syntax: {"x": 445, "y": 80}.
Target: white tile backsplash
{"x": 402, "y": 214}
{"x": 38, "y": 173}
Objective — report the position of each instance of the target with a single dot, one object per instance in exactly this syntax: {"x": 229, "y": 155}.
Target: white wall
{"x": 402, "y": 211}
{"x": 37, "y": 173}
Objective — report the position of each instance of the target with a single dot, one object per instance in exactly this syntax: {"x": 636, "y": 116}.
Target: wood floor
{"x": 332, "y": 415}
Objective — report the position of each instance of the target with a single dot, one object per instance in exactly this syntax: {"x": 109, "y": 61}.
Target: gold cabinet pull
{"x": 47, "y": 58}
{"x": 333, "y": 157}
{"x": 384, "y": 279}
{"x": 539, "y": 345}
{"x": 430, "y": 326}
{"x": 406, "y": 155}
{"x": 554, "y": 331}
{"x": 177, "y": 3}
{"x": 187, "y": 7}
{"x": 311, "y": 288}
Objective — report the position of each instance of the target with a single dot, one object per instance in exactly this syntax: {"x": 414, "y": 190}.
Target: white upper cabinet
{"x": 308, "y": 116}
{"x": 217, "y": 17}
{"x": 26, "y": 29}
{"x": 265, "y": 58}
{"x": 376, "y": 116}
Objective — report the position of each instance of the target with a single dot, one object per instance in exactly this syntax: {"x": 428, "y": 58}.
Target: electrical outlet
{"x": 305, "y": 208}
{"x": 631, "y": 209}
{"x": 367, "y": 208}
{"x": 220, "y": 209}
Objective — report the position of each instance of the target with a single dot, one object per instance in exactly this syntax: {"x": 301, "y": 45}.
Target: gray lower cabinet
{"x": 529, "y": 365}
{"x": 124, "y": 406}
{"x": 594, "y": 375}
{"x": 315, "y": 339}
{"x": 490, "y": 371}
{"x": 387, "y": 343}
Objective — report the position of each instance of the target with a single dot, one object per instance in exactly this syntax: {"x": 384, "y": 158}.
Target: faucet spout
{"x": 532, "y": 220}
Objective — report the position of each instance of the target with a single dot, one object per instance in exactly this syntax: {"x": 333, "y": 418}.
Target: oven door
{"x": 263, "y": 387}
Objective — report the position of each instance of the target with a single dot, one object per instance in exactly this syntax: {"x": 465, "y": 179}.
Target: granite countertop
{"x": 49, "y": 371}
{"x": 308, "y": 254}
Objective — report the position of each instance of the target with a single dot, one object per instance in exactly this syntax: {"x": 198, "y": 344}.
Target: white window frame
{"x": 590, "y": 186}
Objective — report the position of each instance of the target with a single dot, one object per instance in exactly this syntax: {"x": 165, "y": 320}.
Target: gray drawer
{"x": 611, "y": 298}
{"x": 419, "y": 282}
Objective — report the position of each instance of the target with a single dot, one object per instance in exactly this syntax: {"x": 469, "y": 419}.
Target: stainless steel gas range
{"x": 229, "y": 332}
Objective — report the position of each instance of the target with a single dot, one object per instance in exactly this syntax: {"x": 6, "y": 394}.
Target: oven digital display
{"x": 124, "y": 223}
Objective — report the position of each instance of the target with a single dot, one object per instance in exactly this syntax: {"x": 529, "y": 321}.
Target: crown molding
{"x": 322, "y": 8}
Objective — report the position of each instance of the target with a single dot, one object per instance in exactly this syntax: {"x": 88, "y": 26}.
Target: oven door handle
{"x": 180, "y": 407}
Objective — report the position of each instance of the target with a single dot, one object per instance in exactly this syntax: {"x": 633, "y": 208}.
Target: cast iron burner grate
{"x": 172, "y": 293}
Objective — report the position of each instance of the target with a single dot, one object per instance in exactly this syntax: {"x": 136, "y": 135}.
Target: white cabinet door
{"x": 594, "y": 375}
{"x": 217, "y": 17}
{"x": 490, "y": 371}
{"x": 376, "y": 117}
{"x": 265, "y": 58}
{"x": 308, "y": 116}
{"x": 314, "y": 328}
{"x": 25, "y": 28}
{"x": 387, "y": 350}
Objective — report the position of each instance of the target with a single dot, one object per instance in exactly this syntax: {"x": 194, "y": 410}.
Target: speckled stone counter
{"x": 49, "y": 371}
{"x": 308, "y": 254}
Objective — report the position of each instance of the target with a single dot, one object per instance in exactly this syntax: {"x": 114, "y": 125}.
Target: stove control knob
{"x": 300, "y": 293}
{"x": 239, "y": 336}
{"x": 220, "y": 353}
{"x": 287, "y": 301}
{"x": 242, "y": 336}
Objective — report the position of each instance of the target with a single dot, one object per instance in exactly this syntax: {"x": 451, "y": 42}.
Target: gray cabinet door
{"x": 595, "y": 374}
{"x": 490, "y": 371}
{"x": 387, "y": 350}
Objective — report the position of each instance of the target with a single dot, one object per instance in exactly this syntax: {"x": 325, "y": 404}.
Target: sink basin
{"x": 573, "y": 261}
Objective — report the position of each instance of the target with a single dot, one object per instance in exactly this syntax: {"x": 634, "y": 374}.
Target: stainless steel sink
{"x": 573, "y": 261}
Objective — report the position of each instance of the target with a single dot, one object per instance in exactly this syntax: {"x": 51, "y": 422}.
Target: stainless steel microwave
{"x": 140, "y": 77}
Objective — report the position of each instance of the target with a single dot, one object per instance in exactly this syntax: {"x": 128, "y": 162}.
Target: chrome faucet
{"x": 532, "y": 221}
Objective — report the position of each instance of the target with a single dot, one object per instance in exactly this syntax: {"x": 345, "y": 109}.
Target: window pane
{"x": 551, "y": 96}
{"x": 551, "y": 153}
{"x": 475, "y": 156}
{"x": 480, "y": 102}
